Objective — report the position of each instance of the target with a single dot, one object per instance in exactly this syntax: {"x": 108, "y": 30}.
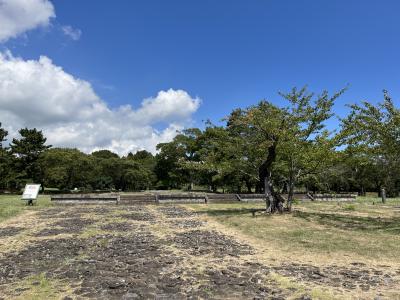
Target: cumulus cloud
{"x": 37, "y": 93}
{"x": 19, "y": 16}
{"x": 73, "y": 33}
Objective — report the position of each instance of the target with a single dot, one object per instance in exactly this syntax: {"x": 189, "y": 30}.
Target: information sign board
{"x": 31, "y": 192}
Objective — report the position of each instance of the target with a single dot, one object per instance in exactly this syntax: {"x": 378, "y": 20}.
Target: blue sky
{"x": 227, "y": 53}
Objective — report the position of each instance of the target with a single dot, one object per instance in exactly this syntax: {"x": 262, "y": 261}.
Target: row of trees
{"x": 29, "y": 159}
{"x": 262, "y": 148}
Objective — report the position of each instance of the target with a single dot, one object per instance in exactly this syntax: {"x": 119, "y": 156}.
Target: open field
{"x": 219, "y": 251}
{"x": 359, "y": 230}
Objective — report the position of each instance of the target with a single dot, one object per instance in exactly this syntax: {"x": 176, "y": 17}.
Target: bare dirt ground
{"x": 157, "y": 252}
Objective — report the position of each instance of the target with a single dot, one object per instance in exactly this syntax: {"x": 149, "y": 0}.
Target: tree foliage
{"x": 7, "y": 173}
{"x": 291, "y": 139}
{"x": 373, "y": 132}
{"x": 27, "y": 150}
{"x": 269, "y": 148}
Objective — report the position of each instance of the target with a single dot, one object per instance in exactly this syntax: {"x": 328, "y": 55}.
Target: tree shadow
{"x": 228, "y": 212}
{"x": 349, "y": 222}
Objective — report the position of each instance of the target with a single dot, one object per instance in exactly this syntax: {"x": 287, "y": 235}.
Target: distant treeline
{"x": 263, "y": 146}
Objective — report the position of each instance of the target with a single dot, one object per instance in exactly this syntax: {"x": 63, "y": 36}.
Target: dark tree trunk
{"x": 248, "y": 185}
{"x": 383, "y": 195}
{"x": 362, "y": 192}
{"x": 274, "y": 201}
{"x": 290, "y": 195}
{"x": 259, "y": 189}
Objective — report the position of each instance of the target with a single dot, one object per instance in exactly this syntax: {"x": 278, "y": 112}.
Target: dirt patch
{"x": 134, "y": 208}
{"x": 135, "y": 263}
{"x": 133, "y": 266}
{"x": 187, "y": 223}
{"x": 176, "y": 212}
{"x": 129, "y": 260}
{"x": 40, "y": 257}
{"x": 73, "y": 225}
{"x": 355, "y": 276}
{"x": 138, "y": 266}
{"x": 201, "y": 242}
{"x": 247, "y": 281}
{"x": 90, "y": 209}
{"x": 51, "y": 232}
{"x": 55, "y": 212}
{"x": 122, "y": 265}
{"x": 118, "y": 226}
{"x": 137, "y": 216}
{"x": 10, "y": 231}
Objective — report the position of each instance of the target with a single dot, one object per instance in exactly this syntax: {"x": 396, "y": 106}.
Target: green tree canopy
{"x": 27, "y": 150}
{"x": 66, "y": 168}
{"x": 374, "y": 131}
{"x": 105, "y": 154}
{"x": 7, "y": 173}
{"x": 3, "y": 135}
{"x": 293, "y": 135}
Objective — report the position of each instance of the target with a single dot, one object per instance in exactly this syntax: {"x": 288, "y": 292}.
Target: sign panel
{"x": 31, "y": 192}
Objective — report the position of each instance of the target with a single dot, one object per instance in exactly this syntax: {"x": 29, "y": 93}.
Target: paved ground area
{"x": 152, "y": 252}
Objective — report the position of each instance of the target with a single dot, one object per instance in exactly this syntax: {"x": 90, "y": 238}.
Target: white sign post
{"x": 31, "y": 192}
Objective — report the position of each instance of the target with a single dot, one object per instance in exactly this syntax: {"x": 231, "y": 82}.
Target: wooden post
{"x": 156, "y": 198}
{"x": 383, "y": 195}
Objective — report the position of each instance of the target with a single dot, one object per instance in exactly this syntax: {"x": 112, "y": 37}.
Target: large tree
{"x": 219, "y": 163}
{"x": 3, "y": 135}
{"x": 67, "y": 169}
{"x": 27, "y": 150}
{"x": 374, "y": 132}
{"x": 176, "y": 159}
{"x": 6, "y": 161}
{"x": 136, "y": 176}
{"x": 293, "y": 134}
{"x": 146, "y": 163}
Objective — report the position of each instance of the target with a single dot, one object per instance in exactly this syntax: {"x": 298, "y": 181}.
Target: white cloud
{"x": 37, "y": 93}
{"x": 19, "y": 16}
{"x": 73, "y": 33}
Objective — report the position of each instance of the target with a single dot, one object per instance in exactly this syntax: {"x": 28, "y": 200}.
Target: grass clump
{"x": 38, "y": 287}
{"x": 12, "y": 205}
{"x": 300, "y": 289}
{"x": 349, "y": 207}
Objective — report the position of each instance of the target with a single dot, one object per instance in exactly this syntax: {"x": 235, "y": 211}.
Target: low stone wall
{"x": 334, "y": 197}
{"x": 222, "y": 198}
{"x": 181, "y": 198}
{"x": 133, "y": 199}
{"x": 251, "y": 197}
{"x": 86, "y": 198}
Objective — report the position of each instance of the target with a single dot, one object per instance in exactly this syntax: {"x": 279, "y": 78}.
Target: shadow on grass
{"x": 229, "y": 212}
{"x": 349, "y": 222}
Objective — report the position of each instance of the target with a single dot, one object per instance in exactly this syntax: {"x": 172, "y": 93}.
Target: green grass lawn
{"x": 12, "y": 205}
{"x": 363, "y": 229}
